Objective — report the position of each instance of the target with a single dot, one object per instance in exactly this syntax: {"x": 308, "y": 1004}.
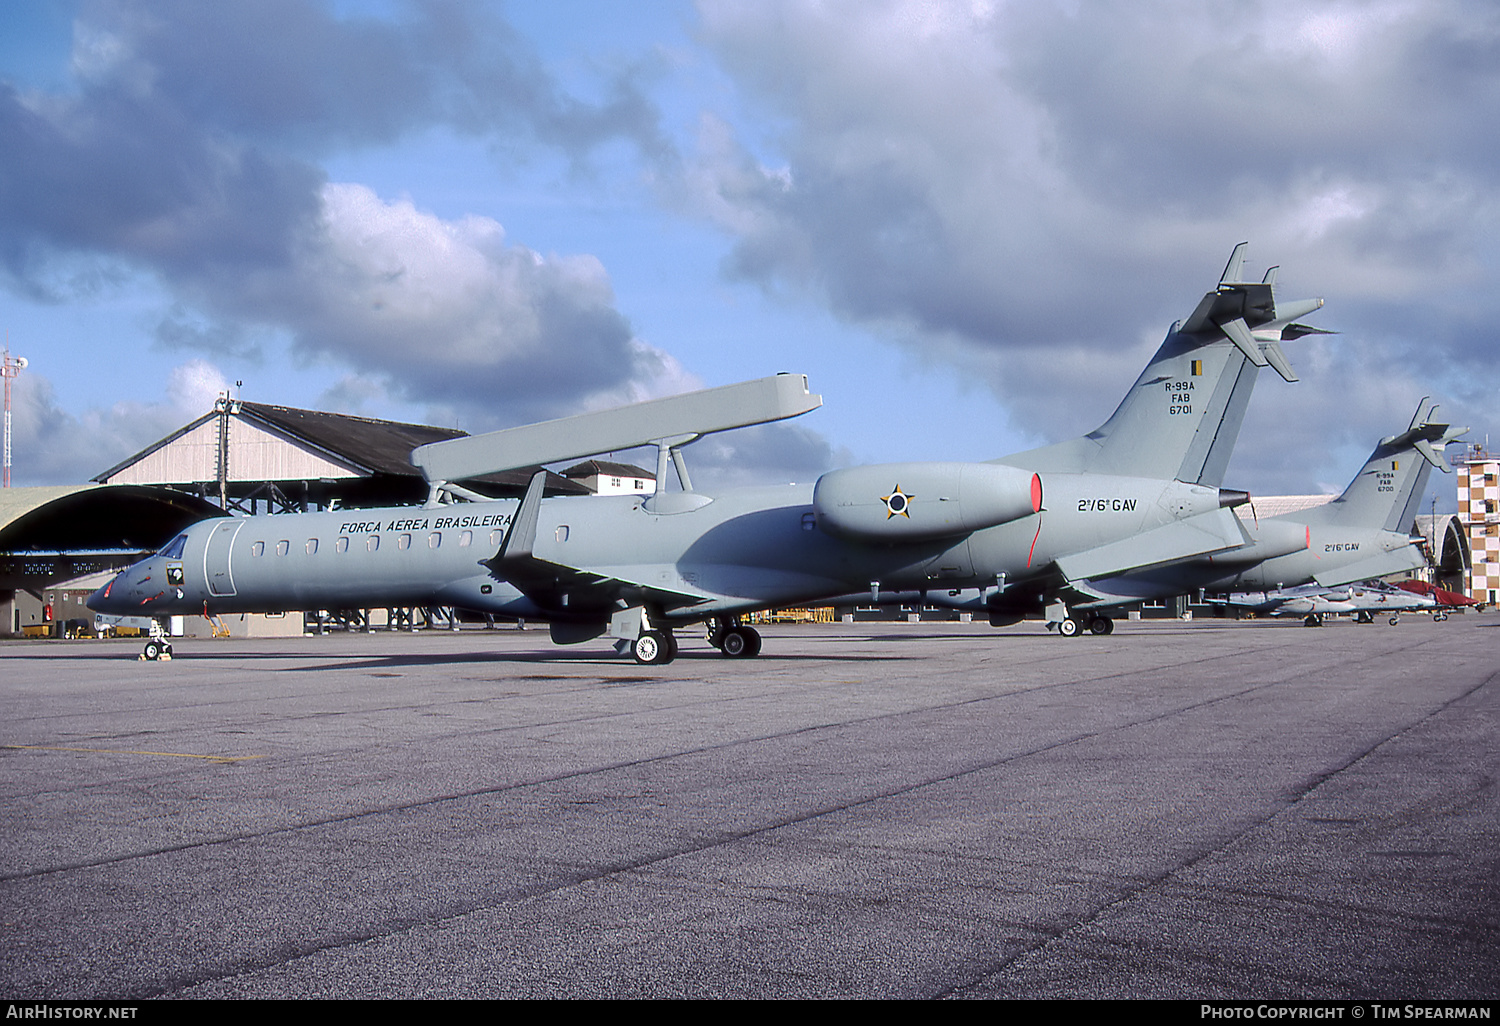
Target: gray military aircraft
{"x": 1364, "y": 533}
{"x": 1142, "y": 489}
{"x": 1361, "y": 534}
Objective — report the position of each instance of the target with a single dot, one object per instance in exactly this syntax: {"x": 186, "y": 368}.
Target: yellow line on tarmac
{"x": 117, "y": 751}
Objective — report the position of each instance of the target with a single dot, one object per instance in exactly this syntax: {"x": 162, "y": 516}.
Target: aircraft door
{"x": 216, "y": 570}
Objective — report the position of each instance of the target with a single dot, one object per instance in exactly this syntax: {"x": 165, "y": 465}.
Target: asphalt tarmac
{"x": 1181, "y": 810}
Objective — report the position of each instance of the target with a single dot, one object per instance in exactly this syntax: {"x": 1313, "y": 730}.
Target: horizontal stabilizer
{"x": 1295, "y": 331}
{"x": 1182, "y": 539}
{"x": 1239, "y": 334}
{"x": 679, "y": 419}
{"x": 1277, "y": 359}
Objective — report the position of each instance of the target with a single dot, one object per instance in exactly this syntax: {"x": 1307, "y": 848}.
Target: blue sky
{"x": 968, "y": 223}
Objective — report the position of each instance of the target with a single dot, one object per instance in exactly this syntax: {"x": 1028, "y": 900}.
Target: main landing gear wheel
{"x": 1395, "y": 620}
{"x": 1313, "y": 620}
{"x": 740, "y": 642}
{"x": 1101, "y": 625}
{"x": 157, "y": 649}
{"x": 1068, "y": 627}
{"x": 654, "y": 647}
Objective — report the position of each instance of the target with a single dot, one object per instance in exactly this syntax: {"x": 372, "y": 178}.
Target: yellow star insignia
{"x": 897, "y": 503}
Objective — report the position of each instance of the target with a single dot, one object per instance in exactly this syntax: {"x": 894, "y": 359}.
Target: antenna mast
{"x": 9, "y": 367}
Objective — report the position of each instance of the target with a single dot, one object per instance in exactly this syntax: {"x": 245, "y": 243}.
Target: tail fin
{"x": 1181, "y": 418}
{"x": 1387, "y": 490}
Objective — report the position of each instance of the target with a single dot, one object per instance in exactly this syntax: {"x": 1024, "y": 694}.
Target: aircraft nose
{"x": 101, "y": 601}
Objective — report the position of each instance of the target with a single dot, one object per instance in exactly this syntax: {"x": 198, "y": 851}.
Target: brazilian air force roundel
{"x": 897, "y": 503}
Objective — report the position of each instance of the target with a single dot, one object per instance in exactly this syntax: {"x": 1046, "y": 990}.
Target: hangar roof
{"x": 54, "y": 533}
{"x": 283, "y": 443}
{"x": 95, "y": 518}
{"x": 350, "y": 446}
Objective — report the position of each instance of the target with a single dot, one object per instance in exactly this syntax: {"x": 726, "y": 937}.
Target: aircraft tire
{"x": 1101, "y": 625}
{"x": 1440, "y": 616}
{"x": 152, "y": 650}
{"x": 1068, "y": 627}
{"x": 1395, "y": 620}
{"x": 1312, "y": 620}
{"x": 741, "y": 643}
{"x": 652, "y": 648}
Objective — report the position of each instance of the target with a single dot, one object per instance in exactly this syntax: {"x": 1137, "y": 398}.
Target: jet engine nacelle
{"x": 890, "y": 503}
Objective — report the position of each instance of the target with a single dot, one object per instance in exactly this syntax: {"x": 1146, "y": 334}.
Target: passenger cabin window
{"x": 403, "y": 541}
{"x": 466, "y": 539}
{"x": 342, "y": 545}
{"x": 497, "y": 536}
{"x": 312, "y": 546}
{"x": 562, "y": 532}
{"x": 434, "y": 540}
{"x": 283, "y": 547}
{"x": 372, "y": 543}
{"x": 258, "y": 549}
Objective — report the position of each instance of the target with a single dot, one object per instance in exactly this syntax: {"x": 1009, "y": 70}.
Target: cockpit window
{"x": 173, "y": 548}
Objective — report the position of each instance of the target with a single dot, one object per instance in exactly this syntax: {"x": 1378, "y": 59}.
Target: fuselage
{"x": 1282, "y": 553}
{"x": 692, "y": 555}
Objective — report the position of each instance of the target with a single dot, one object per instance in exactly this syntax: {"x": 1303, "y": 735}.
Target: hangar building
{"x": 239, "y": 458}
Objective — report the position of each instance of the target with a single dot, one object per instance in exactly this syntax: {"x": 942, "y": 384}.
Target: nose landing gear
{"x": 157, "y": 647}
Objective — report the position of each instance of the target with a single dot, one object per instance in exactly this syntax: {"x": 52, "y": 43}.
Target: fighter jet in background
{"x": 1444, "y": 599}
{"x": 1314, "y": 602}
{"x": 1142, "y": 489}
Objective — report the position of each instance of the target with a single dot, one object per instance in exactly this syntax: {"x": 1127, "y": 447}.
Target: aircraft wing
{"x": 1182, "y": 539}
{"x": 558, "y": 586}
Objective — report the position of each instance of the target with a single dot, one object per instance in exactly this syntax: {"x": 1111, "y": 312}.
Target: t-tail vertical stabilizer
{"x": 1386, "y": 492}
{"x": 1182, "y": 416}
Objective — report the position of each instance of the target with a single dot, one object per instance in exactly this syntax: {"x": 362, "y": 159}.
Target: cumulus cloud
{"x": 447, "y": 312}
{"x": 1035, "y": 191}
{"x": 304, "y": 76}
{"x": 188, "y": 150}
